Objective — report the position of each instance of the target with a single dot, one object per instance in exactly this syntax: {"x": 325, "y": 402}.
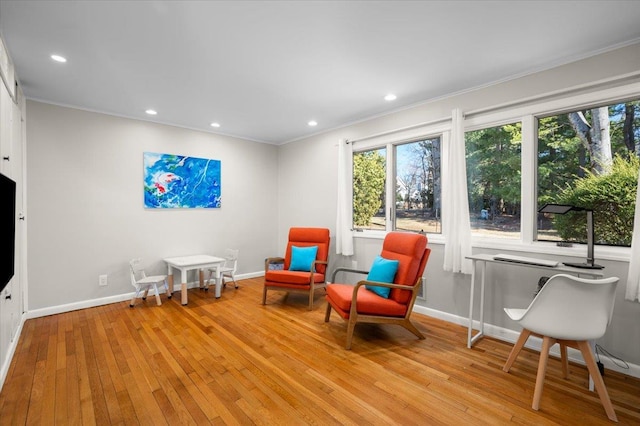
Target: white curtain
{"x": 455, "y": 213}
{"x": 344, "y": 222}
{"x": 633, "y": 280}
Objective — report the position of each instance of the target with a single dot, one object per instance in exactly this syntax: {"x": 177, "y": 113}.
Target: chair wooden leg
{"x": 412, "y": 328}
{"x": 587, "y": 355}
{"x": 264, "y": 295}
{"x": 565, "y": 361}
{"x": 311, "y": 294}
{"x": 547, "y": 342}
{"x": 327, "y": 313}
{"x": 524, "y": 335}
{"x": 351, "y": 325}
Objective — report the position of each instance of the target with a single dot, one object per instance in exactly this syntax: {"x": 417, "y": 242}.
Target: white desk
{"x": 186, "y": 263}
{"x": 483, "y": 259}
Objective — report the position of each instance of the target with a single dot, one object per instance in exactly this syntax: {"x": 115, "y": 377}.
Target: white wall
{"x": 86, "y": 214}
{"x": 447, "y": 294}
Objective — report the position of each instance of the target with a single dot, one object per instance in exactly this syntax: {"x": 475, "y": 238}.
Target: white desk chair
{"x": 228, "y": 269}
{"x": 570, "y": 311}
{"x": 140, "y": 281}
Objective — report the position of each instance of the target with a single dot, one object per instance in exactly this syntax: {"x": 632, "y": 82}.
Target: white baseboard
{"x": 533, "y": 343}
{"x": 52, "y": 310}
{"x": 12, "y": 350}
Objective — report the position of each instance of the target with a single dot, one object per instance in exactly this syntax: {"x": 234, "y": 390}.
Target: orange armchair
{"x": 303, "y": 270}
{"x": 359, "y": 304}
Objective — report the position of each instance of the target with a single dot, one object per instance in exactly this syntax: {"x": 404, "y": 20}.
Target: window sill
{"x": 611, "y": 253}
{"x": 619, "y": 254}
{"x": 379, "y": 235}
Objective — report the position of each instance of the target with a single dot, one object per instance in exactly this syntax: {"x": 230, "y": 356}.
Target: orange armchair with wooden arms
{"x": 304, "y": 265}
{"x": 389, "y": 293}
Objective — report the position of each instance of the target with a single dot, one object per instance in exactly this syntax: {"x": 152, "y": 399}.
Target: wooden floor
{"x": 234, "y": 361}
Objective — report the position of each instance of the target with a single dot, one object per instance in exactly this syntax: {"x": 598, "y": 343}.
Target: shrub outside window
{"x": 369, "y": 179}
{"x": 589, "y": 158}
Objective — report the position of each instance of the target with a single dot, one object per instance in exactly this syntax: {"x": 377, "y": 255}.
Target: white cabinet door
{"x": 17, "y": 145}
{"x": 11, "y": 156}
{"x": 6, "y": 305}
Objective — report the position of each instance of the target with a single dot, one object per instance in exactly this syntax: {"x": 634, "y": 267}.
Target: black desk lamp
{"x": 564, "y": 208}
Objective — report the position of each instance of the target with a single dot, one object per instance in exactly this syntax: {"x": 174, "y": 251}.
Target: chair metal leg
{"x": 587, "y": 355}
{"x": 146, "y": 293}
{"x": 133, "y": 301}
{"x": 524, "y": 335}
{"x": 155, "y": 289}
{"x": 166, "y": 289}
{"x": 206, "y": 287}
{"x": 547, "y": 342}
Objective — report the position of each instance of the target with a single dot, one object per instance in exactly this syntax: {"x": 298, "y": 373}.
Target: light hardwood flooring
{"x": 234, "y": 361}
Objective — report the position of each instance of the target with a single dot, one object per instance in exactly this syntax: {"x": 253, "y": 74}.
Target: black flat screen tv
{"x": 7, "y": 229}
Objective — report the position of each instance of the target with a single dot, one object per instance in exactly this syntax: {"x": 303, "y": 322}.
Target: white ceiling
{"x": 263, "y": 69}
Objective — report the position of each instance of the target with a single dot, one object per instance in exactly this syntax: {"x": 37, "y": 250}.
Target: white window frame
{"x": 527, "y": 114}
{"x": 389, "y": 140}
{"x": 525, "y": 178}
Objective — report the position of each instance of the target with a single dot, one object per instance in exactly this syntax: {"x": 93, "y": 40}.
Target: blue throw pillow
{"x": 383, "y": 271}
{"x": 302, "y": 258}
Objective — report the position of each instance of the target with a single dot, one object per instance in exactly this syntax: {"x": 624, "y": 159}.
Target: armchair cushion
{"x": 292, "y": 278}
{"x": 302, "y": 258}
{"x": 383, "y": 271}
{"x": 368, "y": 303}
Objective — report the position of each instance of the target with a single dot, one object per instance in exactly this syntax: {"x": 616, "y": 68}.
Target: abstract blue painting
{"x": 175, "y": 181}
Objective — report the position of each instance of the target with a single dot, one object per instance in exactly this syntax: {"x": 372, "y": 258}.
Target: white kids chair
{"x": 228, "y": 269}
{"x": 140, "y": 281}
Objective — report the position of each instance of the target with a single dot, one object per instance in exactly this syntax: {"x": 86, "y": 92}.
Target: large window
{"x": 403, "y": 197}
{"x": 582, "y": 150}
{"x": 493, "y": 180}
{"x": 589, "y": 158}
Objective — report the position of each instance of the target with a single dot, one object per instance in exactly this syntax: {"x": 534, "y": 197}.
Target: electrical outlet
{"x": 102, "y": 280}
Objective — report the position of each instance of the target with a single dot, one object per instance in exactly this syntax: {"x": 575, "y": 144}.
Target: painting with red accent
{"x": 176, "y": 181}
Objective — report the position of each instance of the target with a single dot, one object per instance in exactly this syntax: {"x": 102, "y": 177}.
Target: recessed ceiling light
{"x": 59, "y": 58}
{"x": 215, "y": 124}
{"x": 312, "y": 123}
{"x": 390, "y": 97}
{"x": 151, "y": 112}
